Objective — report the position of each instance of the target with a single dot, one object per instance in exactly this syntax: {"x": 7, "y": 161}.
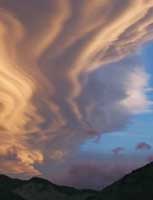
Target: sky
{"x": 76, "y": 89}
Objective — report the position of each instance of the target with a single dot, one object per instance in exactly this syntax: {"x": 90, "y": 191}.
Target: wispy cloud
{"x": 143, "y": 146}
{"x": 62, "y": 75}
{"x": 117, "y": 150}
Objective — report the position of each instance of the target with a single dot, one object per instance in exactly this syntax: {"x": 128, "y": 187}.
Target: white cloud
{"x": 137, "y": 83}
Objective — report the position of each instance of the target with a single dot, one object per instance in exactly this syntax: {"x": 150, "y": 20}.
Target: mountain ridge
{"x": 36, "y": 185}
{"x": 136, "y": 185}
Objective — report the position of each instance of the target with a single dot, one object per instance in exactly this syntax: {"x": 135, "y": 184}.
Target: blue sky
{"x": 70, "y": 71}
{"x": 141, "y": 127}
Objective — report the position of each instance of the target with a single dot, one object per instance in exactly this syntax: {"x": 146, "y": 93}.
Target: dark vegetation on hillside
{"x": 136, "y": 185}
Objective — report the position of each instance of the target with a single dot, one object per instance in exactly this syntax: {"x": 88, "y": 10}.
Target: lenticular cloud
{"x": 62, "y": 75}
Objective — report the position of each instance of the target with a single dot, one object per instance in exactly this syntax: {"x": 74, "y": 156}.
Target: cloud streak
{"x": 62, "y": 75}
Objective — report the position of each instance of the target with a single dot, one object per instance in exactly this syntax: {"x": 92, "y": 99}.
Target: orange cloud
{"x": 52, "y": 54}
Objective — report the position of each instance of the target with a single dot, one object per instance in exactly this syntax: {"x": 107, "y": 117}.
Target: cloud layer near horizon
{"x": 62, "y": 76}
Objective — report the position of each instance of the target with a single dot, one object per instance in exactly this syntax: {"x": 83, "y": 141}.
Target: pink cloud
{"x": 143, "y": 146}
{"x": 93, "y": 173}
{"x": 150, "y": 158}
{"x": 118, "y": 150}
{"x": 53, "y": 80}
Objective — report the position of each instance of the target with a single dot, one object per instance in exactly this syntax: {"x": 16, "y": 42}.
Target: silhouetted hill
{"x": 7, "y": 185}
{"x": 38, "y": 189}
{"x": 136, "y": 185}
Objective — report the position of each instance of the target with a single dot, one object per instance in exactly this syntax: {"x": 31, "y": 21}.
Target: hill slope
{"x": 136, "y": 185}
{"x": 38, "y": 189}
